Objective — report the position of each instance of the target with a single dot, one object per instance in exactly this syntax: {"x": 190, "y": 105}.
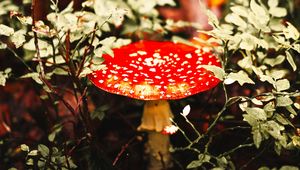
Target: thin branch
{"x": 36, "y": 43}
{"x": 219, "y": 115}
{"x": 123, "y": 150}
{"x": 236, "y": 148}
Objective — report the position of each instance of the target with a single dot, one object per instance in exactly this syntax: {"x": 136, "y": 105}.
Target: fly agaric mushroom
{"x": 156, "y": 72}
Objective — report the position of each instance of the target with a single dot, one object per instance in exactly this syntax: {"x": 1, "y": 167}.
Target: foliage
{"x": 257, "y": 46}
{"x": 258, "y": 33}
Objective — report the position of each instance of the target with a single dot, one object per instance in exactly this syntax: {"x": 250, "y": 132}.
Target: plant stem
{"x": 36, "y": 43}
{"x": 236, "y": 148}
{"x": 219, "y": 115}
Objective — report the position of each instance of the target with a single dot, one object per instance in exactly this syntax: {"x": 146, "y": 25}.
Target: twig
{"x": 219, "y": 115}
{"x": 253, "y": 158}
{"x": 36, "y": 43}
{"x": 19, "y": 58}
{"x": 236, "y": 148}
{"x": 86, "y": 50}
{"x": 123, "y": 150}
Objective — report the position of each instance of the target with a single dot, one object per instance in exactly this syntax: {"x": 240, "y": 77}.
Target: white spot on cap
{"x": 152, "y": 69}
{"x": 206, "y": 49}
{"x": 142, "y": 52}
{"x": 207, "y": 83}
{"x": 101, "y": 81}
{"x": 109, "y": 76}
{"x": 116, "y": 78}
{"x": 156, "y": 55}
{"x": 125, "y": 75}
{"x": 158, "y": 86}
{"x": 197, "y": 51}
{"x": 198, "y": 62}
{"x": 113, "y": 71}
{"x": 133, "y": 55}
{"x": 157, "y": 77}
{"x": 133, "y": 65}
{"x": 184, "y": 63}
{"x": 171, "y": 80}
{"x": 189, "y": 56}
{"x": 180, "y": 69}
{"x": 116, "y": 85}
{"x": 125, "y": 79}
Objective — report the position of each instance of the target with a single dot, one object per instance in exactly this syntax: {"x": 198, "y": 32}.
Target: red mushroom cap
{"x": 151, "y": 70}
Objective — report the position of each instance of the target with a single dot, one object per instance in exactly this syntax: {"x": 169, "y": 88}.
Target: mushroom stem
{"x": 156, "y": 117}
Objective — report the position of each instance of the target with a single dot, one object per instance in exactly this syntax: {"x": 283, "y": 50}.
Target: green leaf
{"x": 291, "y": 32}
{"x": 18, "y": 38}
{"x": 217, "y": 71}
{"x": 33, "y": 153}
{"x": 35, "y": 76}
{"x": 278, "y": 12}
{"x": 24, "y": 148}
{"x": 12, "y": 168}
{"x": 291, "y": 60}
{"x": 273, "y": 3}
{"x": 291, "y": 110}
{"x": 202, "y": 158}
{"x": 282, "y": 120}
{"x": 241, "y": 77}
{"x": 277, "y": 148}
{"x": 278, "y": 74}
{"x": 29, "y": 161}
{"x": 283, "y": 101}
{"x": 257, "y": 138}
{"x": 258, "y": 113}
{"x": 282, "y": 85}
{"x": 212, "y": 19}
{"x": 236, "y": 20}
{"x": 194, "y": 164}
{"x": 269, "y": 108}
{"x": 296, "y": 47}
{"x": 287, "y": 167}
{"x": 257, "y": 9}
{"x": 6, "y": 30}
{"x": 2, "y": 46}
{"x": 257, "y": 102}
{"x": 43, "y": 149}
{"x": 248, "y": 41}
{"x": 166, "y": 2}
{"x": 240, "y": 10}
{"x": 41, "y": 164}
{"x": 296, "y": 140}
{"x": 60, "y": 71}
{"x": 51, "y": 137}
